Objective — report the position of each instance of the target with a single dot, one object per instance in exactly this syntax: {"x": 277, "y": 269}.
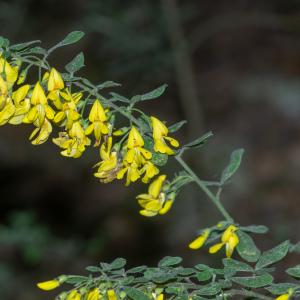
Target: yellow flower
{"x": 150, "y": 171}
{"x": 155, "y": 201}
{"x": 74, "y": 142}
{"x": 68, "y": 109}
{"x": 135, "y": 157}
{"x": 10, "y": 73}
{"x": 108, "y": 167}
{"x": 98, "y": 119}
{"x": 93, "y": 294}
{"x": 160, "y": 297}
{"x": 49, "y": 285}
{"x": 285, "y": 296}
{"x": 40, "y": 109}
{"x": 111, "y": 295}
{"x": 199, "y": 241}
{"x": 160, "y": 134}
{"x": 44, "y": 132}
{"x": 73, "y": 295}
{"x": 55, "y": 81}
{"x": 21, "y": 103}
{"x": 229, "y": 239}
{"x": 7, "y": 112}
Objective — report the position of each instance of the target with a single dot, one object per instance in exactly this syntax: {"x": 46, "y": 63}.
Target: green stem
{"x": 203, "y": 187}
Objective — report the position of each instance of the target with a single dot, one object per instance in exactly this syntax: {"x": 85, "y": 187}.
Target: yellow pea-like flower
{"x": 111, "y": 294}
{"x": 55, "y": 81}
{"x": 48, "y": 285}
{"x": 160, "y": 134}
{"x": 93, "y": 294}
{"x": 199, "y": 241}
{"x": 73, "y": 295}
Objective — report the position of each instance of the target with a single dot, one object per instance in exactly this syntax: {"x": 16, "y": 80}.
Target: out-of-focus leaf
{"x": 232, "y": 167}
{"x": 199, "y": 142}
{"x": 247, "y": 248}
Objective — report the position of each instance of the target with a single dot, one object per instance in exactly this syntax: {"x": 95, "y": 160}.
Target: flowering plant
{"x": 135, "y": 151}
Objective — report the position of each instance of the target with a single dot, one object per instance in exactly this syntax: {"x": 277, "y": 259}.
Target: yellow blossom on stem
{"x": 40, "y": 108}
{"x": 21, "y": 103}
{"x": 108, "y": 167}
{"x": 48, "y": 285}
{"x": 10, "y": 73}
{"x": 98, "y": 119}
{"x": 200, "y": 240}
{"x": 111, "y": 294}
{"x": 155, "y": 201}
{"x": 43, "y": 133}
{"x": 229, "y": 239}
{"x": 68, "y": 113}
{"x": 74, "y": 142}
{"x": 73, "y": 295}
{"x": 55, "y": 81}
{"x": 150, "y": 170}
{"x": 160, "y": 134}
{"x": 135, "y": 157}
{"x": 93, "y": 294}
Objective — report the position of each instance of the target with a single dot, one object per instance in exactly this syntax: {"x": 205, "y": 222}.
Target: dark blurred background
{"x": 232, "y": 67}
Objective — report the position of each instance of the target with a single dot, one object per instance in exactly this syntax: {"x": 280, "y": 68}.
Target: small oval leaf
{"x": 234, "y": 163}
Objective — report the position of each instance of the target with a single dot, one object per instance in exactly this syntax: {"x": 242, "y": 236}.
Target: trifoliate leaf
{"x": 273, "y": 255}
{"x": 75, "y": 64}
{"x": 232, "y": 167}
{"x": 247, "y": 248}
{"x": 170, "y": 261}
{"x": 254, "y": 282}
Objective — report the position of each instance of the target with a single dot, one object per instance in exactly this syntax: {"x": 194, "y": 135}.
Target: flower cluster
{"x": 50, "y": 101}
{"x": 229, "y": 239}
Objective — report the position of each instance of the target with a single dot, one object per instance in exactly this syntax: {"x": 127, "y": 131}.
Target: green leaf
{"x": 75, "y": 64}
{"x": 155, "y": 93}
{"x": 260, "y": 229}
{"x": 232, "y": 167}
{"x": 135, "y": 294}
{"x": 210, "y": 289}
{"x": 254, "y": 282}
{"x": 93, "y": 269}
{"x": 247, "y": 248}
{"x": 170, "y": 261}
{"x": 177, "y": 126}
{"x": 18, "y": 47}
{"x": 36, "y": 50}
{"x": 204, "y": 275}
{"x": 135, "y": 270}
{"x": 3, "y": 42}
{"x": 71, "y": 38}
{"x": 237, "y": 265}
{"x": 273, "y": 255}
{"x": 199, "y": 142}
{"x": 118, "y": 97}
{"x": 118, "y": 263}
{"x": 280, "y": 288}
{"x": 107, "y": 84}
{"x": 294, "y": 272}
{"x": 159, "y": 159}
{"x": 76, "y": 279}
{"x": 186, "y": 271}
